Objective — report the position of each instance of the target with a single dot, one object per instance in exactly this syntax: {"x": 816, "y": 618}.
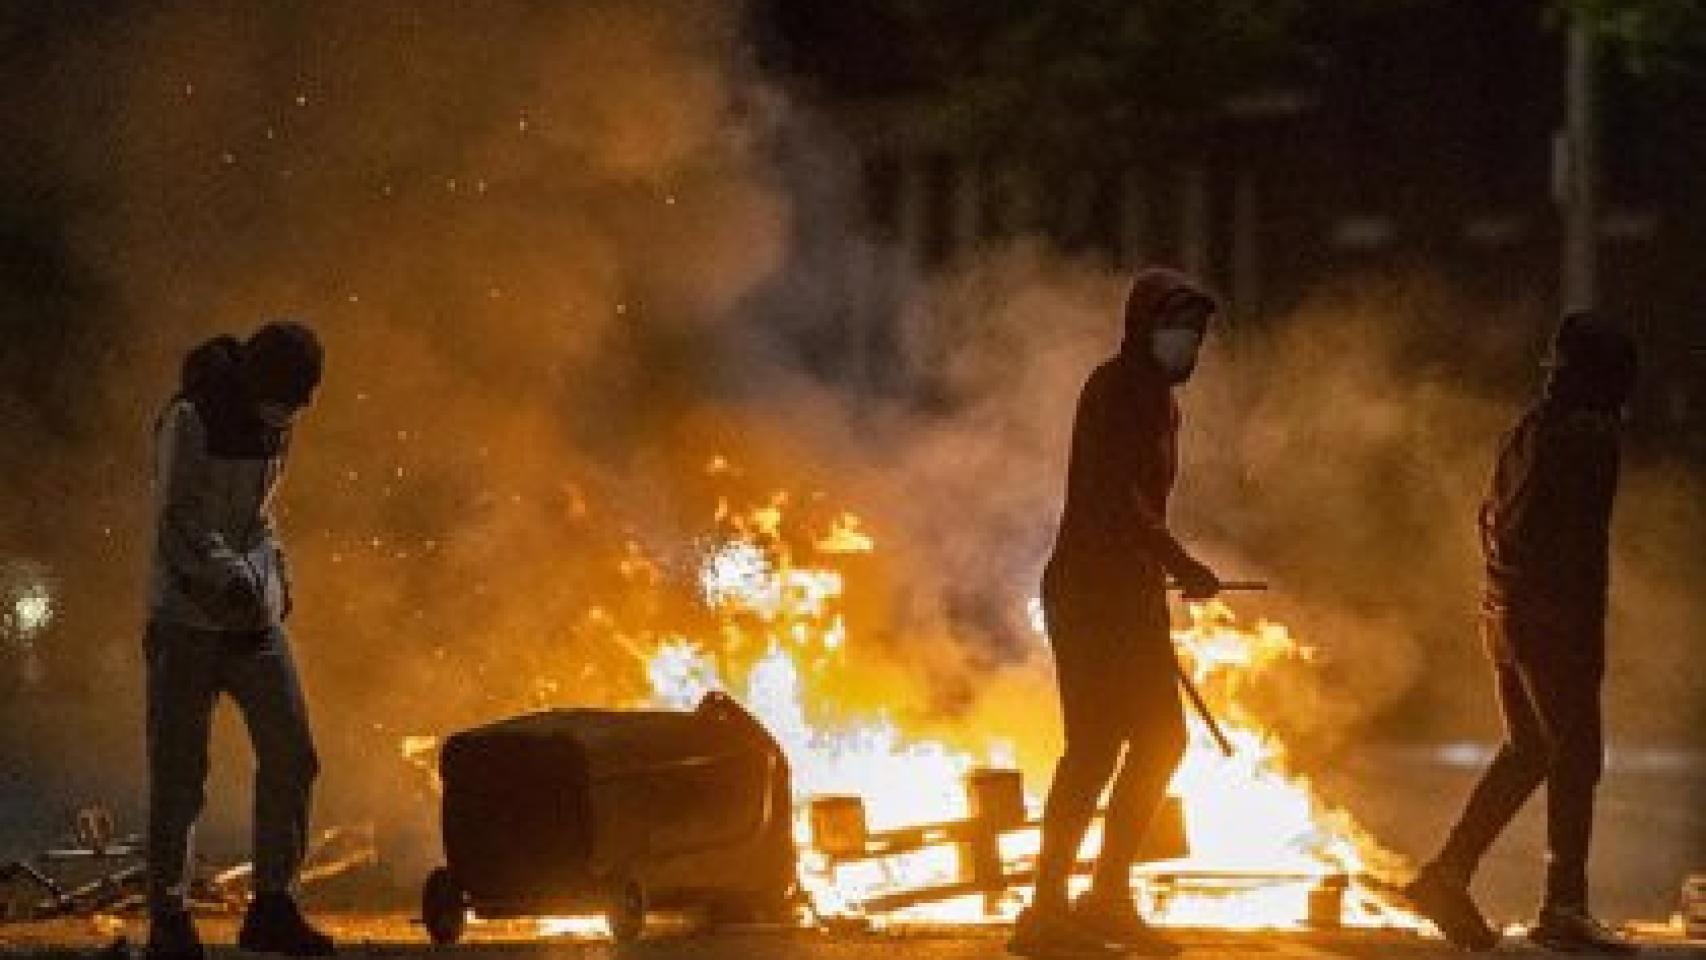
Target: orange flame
{"x": 1262, "y": 842}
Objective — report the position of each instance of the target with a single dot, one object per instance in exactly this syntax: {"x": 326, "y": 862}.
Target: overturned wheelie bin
{"x": 615, "y": 811}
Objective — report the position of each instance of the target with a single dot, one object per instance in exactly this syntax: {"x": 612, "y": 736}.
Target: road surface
{"x": 394, "y": 938}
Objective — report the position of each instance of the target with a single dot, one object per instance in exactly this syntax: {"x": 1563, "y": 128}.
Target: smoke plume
{"x": 563, "y": 256}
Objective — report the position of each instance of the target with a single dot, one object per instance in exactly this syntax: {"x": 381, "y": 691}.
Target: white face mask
{"x": 1175, "y": 351}
{"x": 274, "y": 414}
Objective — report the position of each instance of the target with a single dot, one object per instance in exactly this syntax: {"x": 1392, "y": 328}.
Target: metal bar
{"x": 888, "y": 843}
{"x": 1202, "y": 709}
{"x": 901, "y": 899}
{"x": 124, "y": 852}
{"x": 1247, "y": 876}
{"x": 53, "y": 888}
{"x": 902, "y": 840}
{"x": 1230, "y": 586}
{"x": 882, "y": 843}
{"x": 109, "y": 889}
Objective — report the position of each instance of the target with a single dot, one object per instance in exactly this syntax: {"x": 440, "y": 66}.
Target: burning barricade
{"x": 889, "y": 828}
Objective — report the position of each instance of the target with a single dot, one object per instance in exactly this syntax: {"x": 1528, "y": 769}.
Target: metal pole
{"x": 1581, "y": 173}
{"x": 1202, "y": 709}
{"x": 1230, "y": 586}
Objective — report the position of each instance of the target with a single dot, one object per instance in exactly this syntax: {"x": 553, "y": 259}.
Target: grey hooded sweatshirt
{"x": 216, "y": 468}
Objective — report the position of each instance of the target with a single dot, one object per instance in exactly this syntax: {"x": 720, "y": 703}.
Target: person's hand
{"x": 242, "y": 599}
{"x": 1196, "y": 580}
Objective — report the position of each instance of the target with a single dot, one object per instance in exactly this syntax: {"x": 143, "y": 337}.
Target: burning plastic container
{"x": 621, "y": 811}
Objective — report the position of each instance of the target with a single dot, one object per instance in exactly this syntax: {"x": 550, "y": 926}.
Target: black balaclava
{"x": 282, "y": 363}
{"x": 227, "y": 380}
{"x": 1593, "y": 364}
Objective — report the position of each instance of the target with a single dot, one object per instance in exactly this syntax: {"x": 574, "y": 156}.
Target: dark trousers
{"x": 187, "y": 671}
{"x": 1119, "y": 698}
{"x": 1548, "y": 677}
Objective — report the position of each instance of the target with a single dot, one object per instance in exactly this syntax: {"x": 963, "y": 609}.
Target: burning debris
{"x": 895, "y": 828}
{"x": 1241, "y": 844}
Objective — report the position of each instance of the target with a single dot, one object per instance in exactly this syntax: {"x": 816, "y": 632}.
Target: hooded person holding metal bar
{"x": 1546, "y": 540}
{"x": 1105, "y": 603}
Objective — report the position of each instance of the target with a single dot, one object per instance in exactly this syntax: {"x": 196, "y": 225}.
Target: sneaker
{"x": 172, "y": 936}
{"x": 274, "y": 924}
{"x": 1116, "y": 920}
{"x": 1447, "y": 903}
{"x": 1055, "y": 934}
{"x": 1574, "y": 930}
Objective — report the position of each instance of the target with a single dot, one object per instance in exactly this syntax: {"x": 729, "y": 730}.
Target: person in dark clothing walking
{"x": 1105, "y": 603}
{"x": 219, "y": 594}
{"x": 1545, "y": 536}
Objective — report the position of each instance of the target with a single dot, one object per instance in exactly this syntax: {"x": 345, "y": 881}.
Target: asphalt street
{"x": 394, "y": 938}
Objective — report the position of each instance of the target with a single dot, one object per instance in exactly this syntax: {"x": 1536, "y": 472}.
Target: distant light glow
{"x": 33, "y": 613}
{"x": 26, "y": 600}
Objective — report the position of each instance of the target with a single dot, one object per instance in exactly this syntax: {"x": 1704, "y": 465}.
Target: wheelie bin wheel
{"x": 444, "y": 907}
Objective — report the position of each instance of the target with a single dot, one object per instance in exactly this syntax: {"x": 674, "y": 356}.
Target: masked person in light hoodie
{"x": 1546, "y": 541}
{"x": 219, "y": 596}
{"x": 1105, "y": 603}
